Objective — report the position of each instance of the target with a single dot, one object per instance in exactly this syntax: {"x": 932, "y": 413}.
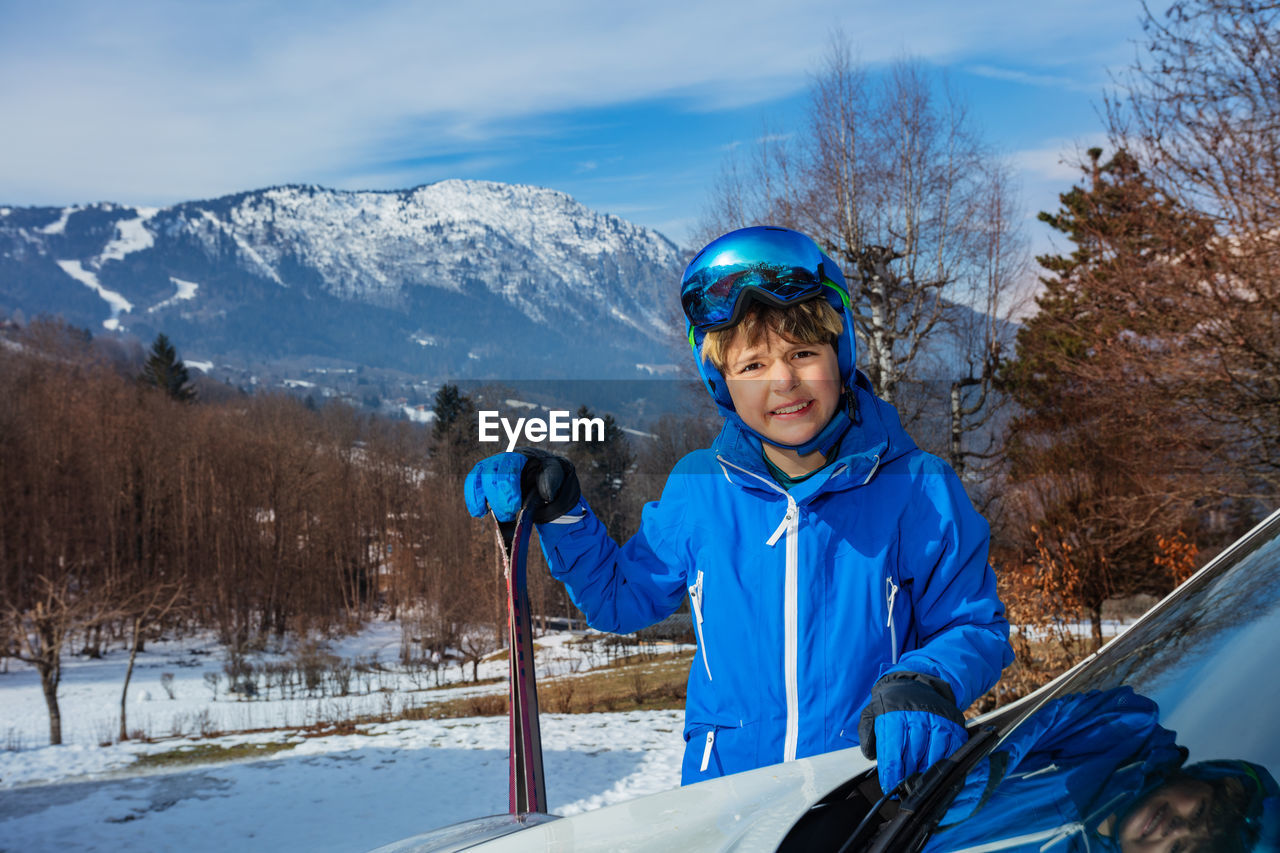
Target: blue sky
{"x": 629, "y": 107}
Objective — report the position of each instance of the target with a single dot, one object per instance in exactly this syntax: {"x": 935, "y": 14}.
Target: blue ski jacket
{"x": 1082, "y": 758}
{"x": 1062, "y": 772}
{"x": 801, "y": 600}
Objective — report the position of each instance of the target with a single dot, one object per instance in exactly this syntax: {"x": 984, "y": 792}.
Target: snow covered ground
{"x": 340, "y": 792}
{"x": 330, "y": 792}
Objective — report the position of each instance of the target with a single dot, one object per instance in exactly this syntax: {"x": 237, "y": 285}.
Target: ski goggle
{"x": 774, "y": 265}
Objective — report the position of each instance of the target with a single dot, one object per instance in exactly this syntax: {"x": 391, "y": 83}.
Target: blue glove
{"x": 910, "y": 723}
{"x": 909, "y": 742}
{"x": 503, "y": 481}
{"x": 495, "y": 483}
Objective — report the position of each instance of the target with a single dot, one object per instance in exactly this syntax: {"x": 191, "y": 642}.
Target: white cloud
{"x": 1054, "y": 81}
{"x": 405, "y": 176}
{"x": 1057, "y": 160}
{"x": 154, "y": 101}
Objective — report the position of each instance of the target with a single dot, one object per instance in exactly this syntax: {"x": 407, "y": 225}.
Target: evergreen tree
{"x": 454, "y": 432}
{"x": 603, "y": 467}
{"x": 1102, "y": 459}
{"x": 164, "y": 370}
{"x": 450, "y": 406}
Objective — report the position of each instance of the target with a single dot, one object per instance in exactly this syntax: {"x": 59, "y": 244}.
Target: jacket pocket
{"x": 714, "y": 749}
{"x": 696, "y": 603}
{"x": 891, "y": 590}
{"x": 899, "y": 614}
{"x": 847, "y": 733}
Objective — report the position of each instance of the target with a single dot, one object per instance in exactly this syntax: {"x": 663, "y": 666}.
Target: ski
{"x": 528, "y": 790}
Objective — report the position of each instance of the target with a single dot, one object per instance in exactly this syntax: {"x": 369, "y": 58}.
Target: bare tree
{"x": 144, "y": 608}
{"x": 54, "y": 571}
{"x": 890, "y": 178}
{"x": 1200, "y": 110}
{"x": 37, "y": 631}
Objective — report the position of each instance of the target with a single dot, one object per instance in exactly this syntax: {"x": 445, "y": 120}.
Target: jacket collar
{"x": 875, "y": 437}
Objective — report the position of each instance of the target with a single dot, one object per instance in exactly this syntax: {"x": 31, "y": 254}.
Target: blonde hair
{"x": 811, "y": 322}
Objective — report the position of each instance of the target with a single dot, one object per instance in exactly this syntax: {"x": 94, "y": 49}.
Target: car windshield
{"x": 1169, "y": 740}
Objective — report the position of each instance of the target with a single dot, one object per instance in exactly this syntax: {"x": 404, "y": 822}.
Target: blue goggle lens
{"x": 775, "y": 265}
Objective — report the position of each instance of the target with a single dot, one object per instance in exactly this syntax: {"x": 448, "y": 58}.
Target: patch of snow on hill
{"x": 186, "y": 290}
{"x": 131, "y": 236}
{"x": 118, "y": 303}
{"x": 59, "y": 226}
{"x": 249, "y": 251}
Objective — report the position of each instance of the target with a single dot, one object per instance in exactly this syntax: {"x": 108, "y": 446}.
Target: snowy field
{"x": 345, "y": 792}
{"x": 339, "y": 792}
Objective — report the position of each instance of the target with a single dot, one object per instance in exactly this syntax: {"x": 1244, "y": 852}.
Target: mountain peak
{"x": 360, "y": 275}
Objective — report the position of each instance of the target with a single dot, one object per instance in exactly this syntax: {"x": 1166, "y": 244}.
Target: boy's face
{"x": 1173, "y": 817}
{"x": 781, "y": 389}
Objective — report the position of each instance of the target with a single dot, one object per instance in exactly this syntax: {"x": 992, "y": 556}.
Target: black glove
{"x": 912, "y": 721}
{"x": 503, "y": 483}
{"x": 554, "y": 480}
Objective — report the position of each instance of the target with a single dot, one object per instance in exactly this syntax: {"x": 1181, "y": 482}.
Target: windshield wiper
{"x": 927, "y": 799}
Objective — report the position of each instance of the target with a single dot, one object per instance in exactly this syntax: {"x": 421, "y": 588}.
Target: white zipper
{"x": 1050, "y": 837}
{"x": 1051, "y": 768}
{"x": 567, "y": 519}
{"x": 706, "y": 752}
{"x": 874, "y": 468}
{"x": 792, "y": 607}
{"x": 892, "y": 593}
{"x": 695, "y": 601}
{"x": 791, "y": 620}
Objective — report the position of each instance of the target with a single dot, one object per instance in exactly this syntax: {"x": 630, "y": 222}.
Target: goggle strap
{"x": 844, "y": 297}
{"x": 697, "y": 360}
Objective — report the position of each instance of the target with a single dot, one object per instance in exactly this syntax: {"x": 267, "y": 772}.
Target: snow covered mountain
{"x": 450, "y": 280}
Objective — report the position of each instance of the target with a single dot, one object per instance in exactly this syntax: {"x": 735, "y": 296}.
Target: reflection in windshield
{"x": 1096, "y": 771}
{"x": 1162, "y": 743}
{"x": 1171, "y": 650}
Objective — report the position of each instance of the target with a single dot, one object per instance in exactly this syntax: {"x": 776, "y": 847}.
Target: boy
{"x": 1095, "y": 771}
{"x": 837, "y": 574}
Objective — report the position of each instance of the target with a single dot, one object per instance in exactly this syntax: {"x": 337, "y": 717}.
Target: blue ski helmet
{"x": 775, "y": 266}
